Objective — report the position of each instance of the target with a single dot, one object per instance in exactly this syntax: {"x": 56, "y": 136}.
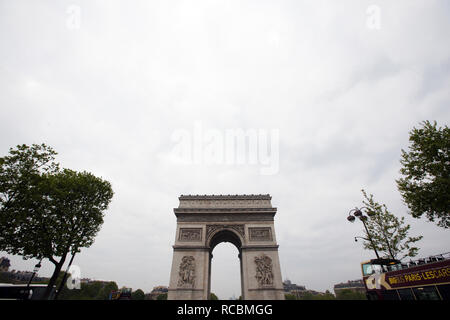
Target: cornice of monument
{"x": 224, "y": 207}
{"x": 227, "y": 210}
{"x": 226, "y": 197}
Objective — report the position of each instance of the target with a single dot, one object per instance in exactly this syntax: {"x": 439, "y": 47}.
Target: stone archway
{"x": 224, "y": 235}
{"x": 203, "y": 222}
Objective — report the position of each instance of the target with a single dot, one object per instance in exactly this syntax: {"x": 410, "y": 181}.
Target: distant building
{"x": 89, "y": 281}
{"x": 353, "y": 285}
{"x": 153, "y": 295}
{"x": 21, "y": 277}
{"x": 288, "y": 286}
{"x": 298, "y": 291}
{"x": 14, "y": 276}
{"x": 4, "y": 264}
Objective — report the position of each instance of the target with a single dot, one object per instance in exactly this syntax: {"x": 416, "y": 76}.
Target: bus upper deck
{"x": 421, "y": 279}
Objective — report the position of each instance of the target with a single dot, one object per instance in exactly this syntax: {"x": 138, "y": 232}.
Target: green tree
{"x": 46, "y": 212}
{"x": 289, "y": 296}
{"x": 138, "y": 295}
{"x": 307, "y": 296}
{"x": 328, "y": 296}
{"x": 94, "y": 290}
{"x": 162, "y": 296}
{"x": 347, "y": 294}
{"x": 425, "y": 181}
{"x": 106, "y": 290}
{"x": 315, "y": 296}
{"x": 389, "y": 234}
{"x": 212, "y": 296}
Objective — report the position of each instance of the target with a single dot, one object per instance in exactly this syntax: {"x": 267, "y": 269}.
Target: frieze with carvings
{"x": 225, "y": 204}
{"x": 190, "y": 234}
{"x": 260, "y": 234}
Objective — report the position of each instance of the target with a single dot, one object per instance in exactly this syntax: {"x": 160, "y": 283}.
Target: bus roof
{"x": 22, "y": 285}
{"x": 384, "y": 262}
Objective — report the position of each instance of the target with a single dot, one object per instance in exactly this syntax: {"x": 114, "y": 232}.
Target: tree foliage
{"x": 162, "y": 296}
{"x": 425, "y": 168}
{"x": 348, "y": 294}
{"x": 138, "y": 295}
{"x": 22, "y": 202}
{"x": 95, "y": 290}
{"x": 212, "y": 296}
{"x": 389, "y": 234}
{"x": 45, "y": 211}
{"x": 310, "y": 296}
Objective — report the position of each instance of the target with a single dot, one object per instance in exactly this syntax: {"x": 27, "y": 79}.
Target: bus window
{"x": 369, "y": 269}
{"x": 444, "y": 290}
{"x": 372, "y": 295}
{"x": 426, "y": 293}
{"x": 406, "y": 294}
{"x": 390, "y": 295}
{"x": 394, "y": 267}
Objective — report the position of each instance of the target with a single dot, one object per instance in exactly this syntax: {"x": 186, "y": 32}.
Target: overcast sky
{"x": 109, "y": 84}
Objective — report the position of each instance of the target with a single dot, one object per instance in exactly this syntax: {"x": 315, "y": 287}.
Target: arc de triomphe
{"x": 247, "y": 221}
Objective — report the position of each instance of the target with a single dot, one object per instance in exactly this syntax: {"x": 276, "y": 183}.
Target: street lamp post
{"x": 35, "y": 270}
{"x": 357, "y": 213}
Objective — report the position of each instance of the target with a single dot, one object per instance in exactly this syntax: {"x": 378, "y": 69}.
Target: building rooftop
{"x": 160, "y": 289}
{"x": 350, "y": 284}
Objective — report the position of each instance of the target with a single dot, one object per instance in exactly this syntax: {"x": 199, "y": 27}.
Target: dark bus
{"x": 422, "y": 279}
{"x": 23, "y": 291}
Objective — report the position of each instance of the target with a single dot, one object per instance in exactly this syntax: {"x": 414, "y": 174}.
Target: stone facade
{"x": 247, "y": 221}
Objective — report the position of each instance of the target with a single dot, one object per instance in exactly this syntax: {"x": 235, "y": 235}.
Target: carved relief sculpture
{"x": 190, "y": 234}
{"x": 260, "y": 234}
{"x": 264, "y": 273}
{"x": 187, "y": 272}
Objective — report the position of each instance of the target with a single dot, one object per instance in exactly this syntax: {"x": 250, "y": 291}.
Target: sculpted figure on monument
{"x": 187, "y": 271}
{"x": 264, "y": 273}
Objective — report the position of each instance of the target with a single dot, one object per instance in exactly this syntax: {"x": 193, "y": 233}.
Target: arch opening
{"x": 225, "y": 272}
{"x": 225, "y": 266}
{"x": 225, "y": 236}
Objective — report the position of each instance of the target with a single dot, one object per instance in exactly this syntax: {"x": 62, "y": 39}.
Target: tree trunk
{"x": 58, "y": 267}
{"x": 63, "y": 282}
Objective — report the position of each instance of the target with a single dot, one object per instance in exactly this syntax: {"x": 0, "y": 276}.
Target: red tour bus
{"x": 423, "y": 279}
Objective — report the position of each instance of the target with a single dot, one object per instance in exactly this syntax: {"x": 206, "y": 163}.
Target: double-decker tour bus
{"x": 423, "y": 279}
{"x": 122, "y": 294}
